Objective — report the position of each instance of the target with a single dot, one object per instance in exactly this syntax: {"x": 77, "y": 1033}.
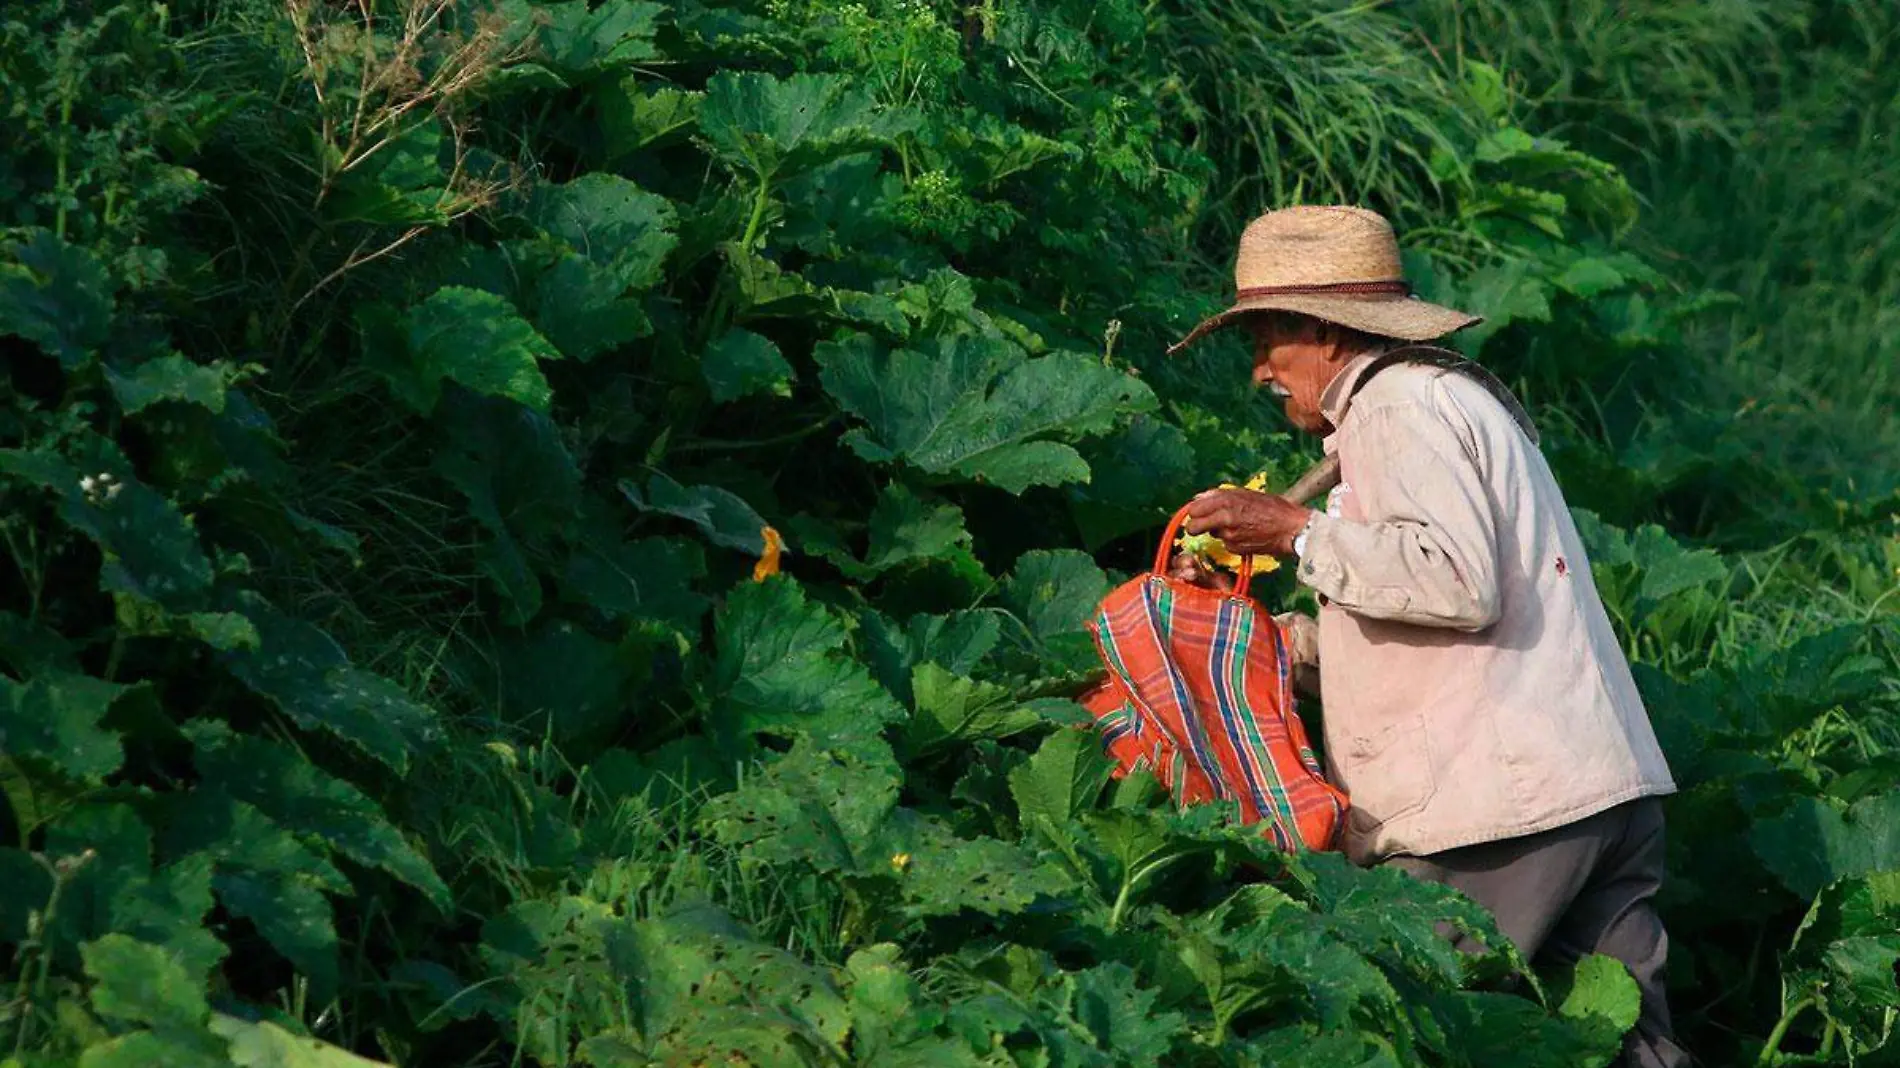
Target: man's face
{"x": 1296, "y": 357}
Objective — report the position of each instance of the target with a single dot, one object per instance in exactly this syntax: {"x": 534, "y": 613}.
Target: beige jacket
{"x": 1473, "y": 687}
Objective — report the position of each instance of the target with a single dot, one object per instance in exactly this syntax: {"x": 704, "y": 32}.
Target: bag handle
{"x": 1241, "y": 584}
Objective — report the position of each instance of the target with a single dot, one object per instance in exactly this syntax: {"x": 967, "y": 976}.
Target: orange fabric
{"x": 1199, "y": 692}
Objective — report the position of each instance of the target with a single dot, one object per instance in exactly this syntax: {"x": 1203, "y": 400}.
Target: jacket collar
{"x": 1337, "y": 398}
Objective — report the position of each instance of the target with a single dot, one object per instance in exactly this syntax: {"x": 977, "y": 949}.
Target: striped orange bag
{"x": 1199, "y": 692}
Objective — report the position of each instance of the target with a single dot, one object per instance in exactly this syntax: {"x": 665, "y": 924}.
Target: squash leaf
{"x": 768, "y": 129}
{"x": 783, "y": 669}
{"x": 742, "y": 363}
{"x": 467, "y": 336}
{"x": 976, "y": 408}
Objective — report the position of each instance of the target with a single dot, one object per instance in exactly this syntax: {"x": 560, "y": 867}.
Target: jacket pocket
{"x": 1389, "y": 774}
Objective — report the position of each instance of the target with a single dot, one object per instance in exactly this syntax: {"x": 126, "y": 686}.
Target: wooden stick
{"x": 1318, "y": 479}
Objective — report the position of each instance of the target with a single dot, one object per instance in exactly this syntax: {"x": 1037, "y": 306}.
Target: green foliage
{"x": 563, "y": 534}
{"x": 973, "y": 407}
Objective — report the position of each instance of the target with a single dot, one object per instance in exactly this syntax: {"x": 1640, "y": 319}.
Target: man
{"x": 1479, "y": 711}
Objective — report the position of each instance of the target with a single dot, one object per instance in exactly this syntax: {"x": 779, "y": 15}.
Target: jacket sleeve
{"x": 1426, "y": 551}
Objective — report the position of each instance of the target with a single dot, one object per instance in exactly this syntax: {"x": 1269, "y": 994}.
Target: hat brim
{"x": 1405, "y": 318}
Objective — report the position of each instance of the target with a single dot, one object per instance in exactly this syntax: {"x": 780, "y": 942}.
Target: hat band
{"x": 1394, "y": 288}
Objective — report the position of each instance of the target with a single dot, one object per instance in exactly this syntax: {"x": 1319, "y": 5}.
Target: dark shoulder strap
{"x": 1447, "y": 360}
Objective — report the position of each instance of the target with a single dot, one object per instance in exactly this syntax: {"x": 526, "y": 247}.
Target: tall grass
{"x": 1313, "y": 102}
{"x": 1762, "y": 136}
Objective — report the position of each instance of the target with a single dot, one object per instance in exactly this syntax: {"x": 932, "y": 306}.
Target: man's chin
{"x": 1305, "y": 418}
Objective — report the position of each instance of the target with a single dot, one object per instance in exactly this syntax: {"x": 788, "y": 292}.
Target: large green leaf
{"x": 821, "y": 808}
{"x": 295, "y": 793}
{"x": 1136, "y": 846}
{"x": 1391, "y": 917}
{"x": 783, "y": 669}
{"x": 711, "y": 991}
{"x": 943, "y": 874}
{"x": 522, "y": 486}
{"x": 958, "y": 642}
{"x": 266, "y": 875}
{"x": 1602, "y": 988}
{"x": 404, "y": 183}
{"x": 742, "y": 363}
{"x": 952, "y": 709}
{"x": 891, "y": 1023}
{"x": 167, "y": 908}
{"x": 906, "y": 528}
{"x": 977, "y": 408}
{"x": 1667, "y": 568}
{"x": 109, "y": 887}
{"x": 1311, "y": 1048}
{"x": 1259, "y": 949}
{"x": 1862, "y": 972}
{"x": 584, "y": 310}
{"x": 843, "y": 209}
{"x": 136, "y": 982}
{"x": 53, "y": 720}
{"x": 1122, "y": 1015}
{"x": 552, "y": 951}
{"x": 1813, "y": 843}
{"x": 1602, "y": 999}
{"x": 767, "y": 128}
{"x": 292, "y": 915}
{"x": 1055, "y": 591}
{"x": 171, "y": 377}
{"x": 1504, "y": 293}
{"x": 306, "y": 674}
{"x": 722, "y": 515}
{"x": 768, "y": 292}
{"x": 467, "y": 336}
{"x": 150, "y": 549}
{"x": 1867, "y": 905}
{"x": 1148, "y": 463}
{"x": 610, "y": 238}
{"x": 56, "y": 295}
{"x": 634, "y": 116}
{"x": 1060, "y": 782}
{"x": 611, "y": 222}
{"x": 152, "y": 1049}
{"x": 575, "y": 40}
{"x": 262, "y": 1044}
{"x": 651, "y": 578}
{"x": 836, "y": 812}
{"x": 1486, "y": 1028}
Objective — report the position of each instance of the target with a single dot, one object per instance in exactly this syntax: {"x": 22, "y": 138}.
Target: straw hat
{"x": 1339, "y": 264}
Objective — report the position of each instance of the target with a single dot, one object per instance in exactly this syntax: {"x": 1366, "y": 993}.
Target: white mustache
{"x": 1279, "y": 390}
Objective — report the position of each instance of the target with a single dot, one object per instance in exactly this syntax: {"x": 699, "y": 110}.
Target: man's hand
{"x": 1302, "y": 641}
{"x": 1302, "y": 637}
{"x": 1186, "y": 567}
{"x": 1248, "y": 523}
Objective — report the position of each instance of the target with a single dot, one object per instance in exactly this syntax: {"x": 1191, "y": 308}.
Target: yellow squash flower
{"x": 1209, "y": 549}
{"x": 768, "y": 560}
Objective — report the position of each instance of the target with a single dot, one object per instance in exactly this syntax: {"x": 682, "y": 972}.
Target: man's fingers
{"x": 1212, "y": 519}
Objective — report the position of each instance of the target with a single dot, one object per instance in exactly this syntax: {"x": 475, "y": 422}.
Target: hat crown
{"x": 1317, "y": 245}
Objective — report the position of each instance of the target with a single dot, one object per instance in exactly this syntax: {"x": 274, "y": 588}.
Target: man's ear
{"x": 1333, "y": 335}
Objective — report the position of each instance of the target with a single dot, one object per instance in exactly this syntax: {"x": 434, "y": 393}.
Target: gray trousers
{"x": 1587, "y": 887}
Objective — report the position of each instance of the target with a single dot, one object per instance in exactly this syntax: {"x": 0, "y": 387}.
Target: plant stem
{"x": 1771, "y": 1050}
{"x": 68, "y": 91}
{"x": 1121, "y": 902}
{"x": 759, "y": 204}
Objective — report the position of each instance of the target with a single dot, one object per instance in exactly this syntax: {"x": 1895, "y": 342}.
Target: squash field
{"x": 557, "y": 533}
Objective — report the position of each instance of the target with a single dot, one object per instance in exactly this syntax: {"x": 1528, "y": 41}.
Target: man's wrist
{"x": 1299, "y": 538}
